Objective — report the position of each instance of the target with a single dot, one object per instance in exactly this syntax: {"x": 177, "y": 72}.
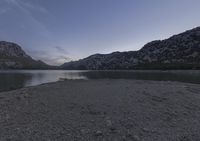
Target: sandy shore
{"x": 102, "y": 110}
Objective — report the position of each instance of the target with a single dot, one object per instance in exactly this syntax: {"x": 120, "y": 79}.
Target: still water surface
{"x": 17, "y": 79}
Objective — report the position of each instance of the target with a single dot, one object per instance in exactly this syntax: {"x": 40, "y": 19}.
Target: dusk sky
{"x": 57, "y": 31}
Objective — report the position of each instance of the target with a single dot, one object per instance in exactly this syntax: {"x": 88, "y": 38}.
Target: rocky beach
{"x": 99, "y": 70}
{"x": 104, "y": 110}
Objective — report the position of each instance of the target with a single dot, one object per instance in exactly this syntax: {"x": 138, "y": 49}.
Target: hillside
{"x": 180, "y": 51}
{"x": 13, "y": 57}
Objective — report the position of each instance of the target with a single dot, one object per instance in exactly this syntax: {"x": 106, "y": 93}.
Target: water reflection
{"x": 13, "y": 81}
{"x": 192, "y": 76}
{"x": 17, "y": 79}
{"x": 10, "y": 80}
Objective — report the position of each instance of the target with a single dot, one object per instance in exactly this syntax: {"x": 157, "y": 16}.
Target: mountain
{"x": 13, "y": 57}
{"x": 180, "y": 51}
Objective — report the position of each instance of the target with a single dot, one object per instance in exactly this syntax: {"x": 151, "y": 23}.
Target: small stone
{"x": 98, "y": 133}
{"x": 124, "y": 138}
{"x": 18, "y": 97}
{"x": 133, "y": 137}
{"x": 7, "y": 116}
{"x": 185, "y": 113}
{"x": 83, "y": 131}
{"x": 145, "y": 130}
{"x": 113, "y": 129}
{"x": 136, "y": 138}
{"x": 108, "y": 123}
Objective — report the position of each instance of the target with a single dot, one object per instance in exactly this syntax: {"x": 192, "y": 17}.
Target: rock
{"x": 145, "y": 129}
{"x": 132, "y": 136}
{"x": 12, "y": 50}
{"x": 12, "y": 56}
{"x": 92, "y": 120}
{"x": 98, "y": 133}
{"x": 113, "y": 129}
{"x": 83, "y": 131}
{"x": 108, "y": 123}
{"x": 136, "y": 138}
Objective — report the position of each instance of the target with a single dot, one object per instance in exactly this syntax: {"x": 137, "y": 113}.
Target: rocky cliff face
{"x": 180, "y": 51}
{"x": 8, "y": 49}
{"x": 13, "y": 57}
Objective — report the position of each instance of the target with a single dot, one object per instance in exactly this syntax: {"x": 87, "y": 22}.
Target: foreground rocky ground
{"x": 102, "y": 110}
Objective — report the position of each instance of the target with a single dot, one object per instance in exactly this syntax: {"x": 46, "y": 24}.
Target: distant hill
{"x": 13, "y": 57}
{"x": 180, "y": 51}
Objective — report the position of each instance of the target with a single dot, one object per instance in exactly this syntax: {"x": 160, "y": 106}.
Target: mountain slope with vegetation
{"x": 180, "y": 51}
{"x": 13, "y": 57}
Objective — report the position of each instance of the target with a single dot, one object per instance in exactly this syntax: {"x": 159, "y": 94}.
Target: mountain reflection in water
{"x": 10, "y": 80}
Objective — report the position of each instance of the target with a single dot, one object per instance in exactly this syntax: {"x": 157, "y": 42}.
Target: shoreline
{"x": 103, "y": 109}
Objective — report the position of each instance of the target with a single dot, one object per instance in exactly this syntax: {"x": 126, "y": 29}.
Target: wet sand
{"x": 102, "y": 110}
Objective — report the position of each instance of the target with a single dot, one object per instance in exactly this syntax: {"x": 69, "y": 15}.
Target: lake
{"x": 13, "y": 79}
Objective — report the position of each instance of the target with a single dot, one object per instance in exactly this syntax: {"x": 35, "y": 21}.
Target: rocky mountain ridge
{"x": 180, "y": 51}
{"x": 13, "y": 57}
{"x": 11, "y": 50}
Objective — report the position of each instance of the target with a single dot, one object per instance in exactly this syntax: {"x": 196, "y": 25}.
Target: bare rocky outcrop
{"x": 12, "y": 56}
{"x": 12, "y": 50}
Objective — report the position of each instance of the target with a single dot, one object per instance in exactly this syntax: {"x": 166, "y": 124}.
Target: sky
{"x": 58, "y": 31}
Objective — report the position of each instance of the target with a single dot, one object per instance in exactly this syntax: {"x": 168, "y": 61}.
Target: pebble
{"x": 133, "y": 137}
{"x": 145, "y": 130}
{"x": 136, "y": 138}
{"x": 98, "y": 133}
{"x": 83, "y": 131}
{"x": 108, "y": 123}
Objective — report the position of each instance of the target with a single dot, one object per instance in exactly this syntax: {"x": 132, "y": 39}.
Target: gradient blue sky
{"x": 56, "y": 31}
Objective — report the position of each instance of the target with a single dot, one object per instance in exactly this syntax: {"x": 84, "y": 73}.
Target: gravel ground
{"x": 102, "y": 110}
